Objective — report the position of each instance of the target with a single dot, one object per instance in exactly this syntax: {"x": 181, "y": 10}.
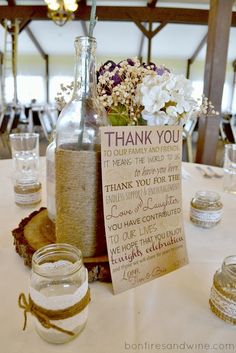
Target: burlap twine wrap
{"x": 44, "y": 316}
{"x": 79, "y": 206}
{"x": 223, "y": 303}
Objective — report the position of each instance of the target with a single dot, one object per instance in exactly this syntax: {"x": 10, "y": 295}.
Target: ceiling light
{"x": 61, "y": 11}
{"x": 53, "y": 5}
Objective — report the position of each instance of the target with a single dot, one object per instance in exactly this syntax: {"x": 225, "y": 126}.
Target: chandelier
{"x": 61, "y": 11}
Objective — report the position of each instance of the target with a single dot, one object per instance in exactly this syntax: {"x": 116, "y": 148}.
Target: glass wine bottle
{"x": 79, "y": 206}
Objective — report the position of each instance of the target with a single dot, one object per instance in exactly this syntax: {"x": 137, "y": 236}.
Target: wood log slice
{"x": 37, "y": 230}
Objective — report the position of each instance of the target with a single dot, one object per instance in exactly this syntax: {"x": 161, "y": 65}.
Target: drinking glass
{"x": 25, "y": 155}
{"x": 230, "y": 168}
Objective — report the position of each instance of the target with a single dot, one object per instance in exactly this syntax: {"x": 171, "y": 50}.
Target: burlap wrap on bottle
{"x": 79, "y": 206}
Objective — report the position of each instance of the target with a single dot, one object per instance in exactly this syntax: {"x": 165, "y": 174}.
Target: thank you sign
{"x": 141, "y": 175}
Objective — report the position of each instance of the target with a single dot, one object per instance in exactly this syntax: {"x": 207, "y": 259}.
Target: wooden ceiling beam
{"x": 158, "y": 29}
{"x": 11, "y": 2}
{"x": 152, "y": 3}
{"x": 198, "y": 49}
{"x": 141, "y": 47}
{"x": 147, "y": 32}
{"x": 36, "y": 43}
{"x": 117, "y": 13}
{"x": 142, "y": 28}
{"x": 195, "y": 54}
{"x": 23, "y": 24}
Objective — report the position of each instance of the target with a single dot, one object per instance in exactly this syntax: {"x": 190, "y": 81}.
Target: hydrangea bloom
{"x": 166, "y": 99}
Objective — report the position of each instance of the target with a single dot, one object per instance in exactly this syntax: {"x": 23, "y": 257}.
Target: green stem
{"x": 92, "y": 22}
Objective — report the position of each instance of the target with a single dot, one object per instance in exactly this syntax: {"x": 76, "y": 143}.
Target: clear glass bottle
{"x": 58, "y": 281}
{"x": 206, "y": 209}
{"x": 50, "y": 178}
{"x": 223, "y": 292}
{"x": 80, "y": 219}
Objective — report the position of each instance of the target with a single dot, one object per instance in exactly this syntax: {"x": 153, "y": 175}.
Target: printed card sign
{"x": 141, "y": 175}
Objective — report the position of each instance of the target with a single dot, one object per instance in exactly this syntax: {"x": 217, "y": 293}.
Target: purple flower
{"x": 111, "y": 64}
{"x": 104, "y": 69}
{"x": 130, "y": 62}
{"x": 152, "y": 66}
{"x": 160, "y": 70}
{"x": 117, "y": 80}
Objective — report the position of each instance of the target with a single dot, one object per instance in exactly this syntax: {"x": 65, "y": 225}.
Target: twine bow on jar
{"x": 44, "y": 316}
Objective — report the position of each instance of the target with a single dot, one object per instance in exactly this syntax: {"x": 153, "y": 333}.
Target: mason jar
{"x": 59, "y": 292}
{"x": 206, "y": 209}
{"x": 223, "y": 292}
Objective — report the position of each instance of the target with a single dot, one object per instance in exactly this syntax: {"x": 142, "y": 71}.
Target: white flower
{"x": 159, "y": 118}
{"x": 166, "y": 98}
{"x": 172, "y": 111}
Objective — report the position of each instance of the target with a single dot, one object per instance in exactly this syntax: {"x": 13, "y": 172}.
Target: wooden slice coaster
{"x": 37, "y": 230}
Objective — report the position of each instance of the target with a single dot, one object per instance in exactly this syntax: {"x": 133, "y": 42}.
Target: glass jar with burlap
{"x": 58, "y": 294}
{"x": 223, "y": 291}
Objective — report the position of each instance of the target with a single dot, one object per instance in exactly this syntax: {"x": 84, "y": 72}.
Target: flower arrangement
{"x": 118, "y": 89}
{"x": 134, "y": 93}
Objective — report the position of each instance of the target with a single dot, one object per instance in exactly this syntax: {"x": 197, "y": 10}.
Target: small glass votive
{"x": 59, "y": 293}
{"x": 206, "y": 209}
{"x": 25, "y": 154}
{"x": 223, "y": 292}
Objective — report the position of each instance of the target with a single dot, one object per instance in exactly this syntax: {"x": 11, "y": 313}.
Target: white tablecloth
{"x": 169, "y": 314}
